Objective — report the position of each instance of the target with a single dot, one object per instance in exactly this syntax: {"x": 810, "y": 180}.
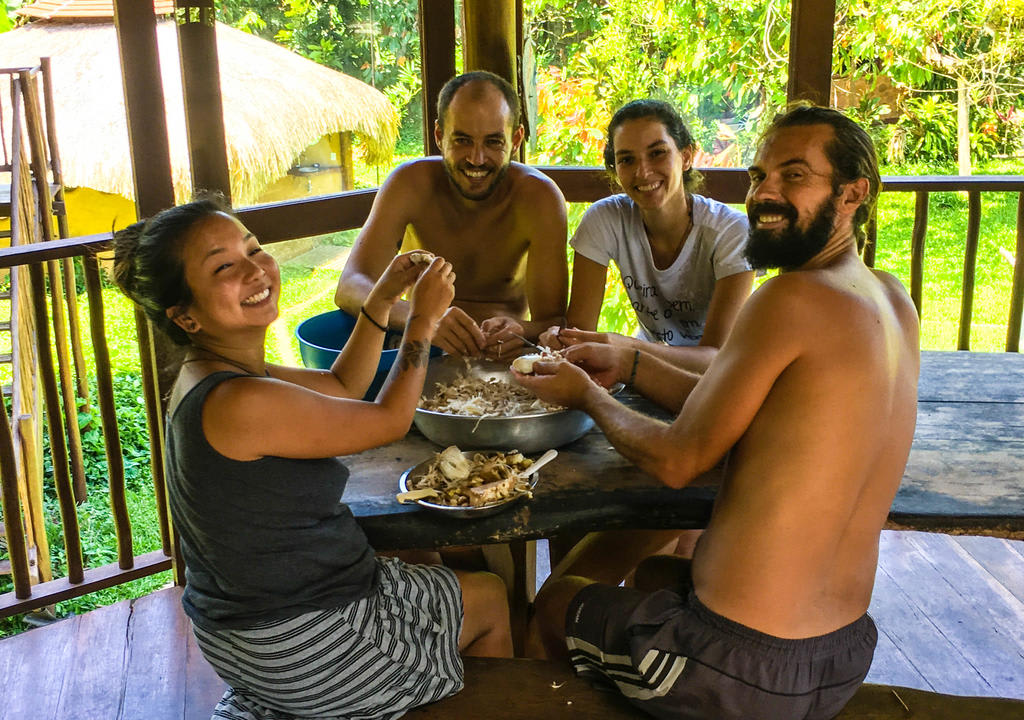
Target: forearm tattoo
{"x": 413, "y": 355}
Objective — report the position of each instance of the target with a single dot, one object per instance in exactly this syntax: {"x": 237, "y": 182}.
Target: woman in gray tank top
{"x": 273, "y": 559}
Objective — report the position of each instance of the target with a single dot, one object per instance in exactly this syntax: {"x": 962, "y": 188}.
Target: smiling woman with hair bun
{"x": 272, "y": 558}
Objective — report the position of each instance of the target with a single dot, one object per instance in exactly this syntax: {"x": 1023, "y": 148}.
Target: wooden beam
{"x": 93, "y": 579}
{"x": 200, "y": 82}
{"x": 437, "y": 58}
{"x": 490, "y": 41}
{"x": 275, "y": 222}
{"x": 811, "y": 32}
{"x": 144, "y": 106}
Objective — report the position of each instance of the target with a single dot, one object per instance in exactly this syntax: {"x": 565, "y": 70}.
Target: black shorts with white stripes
{"x": 675, "y": 658}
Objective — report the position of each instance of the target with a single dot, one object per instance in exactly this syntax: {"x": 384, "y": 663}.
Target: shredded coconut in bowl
{"x": 479, "y": 397}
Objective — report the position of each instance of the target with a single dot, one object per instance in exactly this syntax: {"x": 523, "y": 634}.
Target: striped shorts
{"x": 373, "y": 658}
{"x": 675, "y": 658}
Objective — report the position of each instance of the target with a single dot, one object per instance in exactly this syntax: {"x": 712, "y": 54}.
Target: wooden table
{"x": 966, "y": 469}
{"x": 966, "y": 466}
{"x": 588, "y": 486}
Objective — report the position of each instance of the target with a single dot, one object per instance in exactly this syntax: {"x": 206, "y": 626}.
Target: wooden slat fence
{"x": 304, "y": 218}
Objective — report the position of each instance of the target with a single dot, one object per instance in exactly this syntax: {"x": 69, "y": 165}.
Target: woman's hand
{"x": 558, "y": 338}
{"x": 398, "y": 277}
{"x": 433, "y": 291}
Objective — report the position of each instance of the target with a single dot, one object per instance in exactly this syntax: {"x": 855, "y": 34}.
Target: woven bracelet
{"x": 362, "y": 309}
{"x": 632, "y": 373}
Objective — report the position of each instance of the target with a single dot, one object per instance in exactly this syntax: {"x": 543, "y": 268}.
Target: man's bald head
{"x": 478, "y": 84}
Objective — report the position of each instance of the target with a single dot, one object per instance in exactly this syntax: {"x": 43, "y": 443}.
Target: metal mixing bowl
{"x": 526, "y": 433}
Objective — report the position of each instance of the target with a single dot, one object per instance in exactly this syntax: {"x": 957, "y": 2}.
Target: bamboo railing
{"x": 303, "y": 218}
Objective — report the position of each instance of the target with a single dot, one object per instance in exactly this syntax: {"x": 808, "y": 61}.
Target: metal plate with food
{"x": 478, "y": 404}
{"x": 471, "y": 484}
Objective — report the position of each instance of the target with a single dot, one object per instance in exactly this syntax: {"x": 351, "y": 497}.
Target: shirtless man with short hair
{"x": 813, "y": 396}
{"x": 501, "y": 224}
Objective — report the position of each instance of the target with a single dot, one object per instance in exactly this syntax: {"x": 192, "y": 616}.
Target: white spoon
{"x": 541, "y": 462}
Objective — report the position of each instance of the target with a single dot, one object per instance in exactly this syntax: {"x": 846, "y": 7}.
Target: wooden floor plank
{"x": 35, "y": 680}
{"x": 999, "y": 558}
{"x": 924, "y": 647}
{"x": 954, "y": 609}
{"x": 990, "y": 605}
{"x": 94, "y": 662}
{"x": 8, "y": 662}
{"x": 1018, "y": 547}
{"x": 205, "y": 688}
{"x": 890, "y": 665}
{"x": 155, "y": 669}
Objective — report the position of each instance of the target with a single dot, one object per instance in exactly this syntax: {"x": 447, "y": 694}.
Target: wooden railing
{"x": 304, "y": 218}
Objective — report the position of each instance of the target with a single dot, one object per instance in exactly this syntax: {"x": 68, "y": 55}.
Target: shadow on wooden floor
{"x": 950, "y": 613}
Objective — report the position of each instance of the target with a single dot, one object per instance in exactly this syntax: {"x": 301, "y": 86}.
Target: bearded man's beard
{"x": 790, "y": 247}
{"x": 457, "y": 178}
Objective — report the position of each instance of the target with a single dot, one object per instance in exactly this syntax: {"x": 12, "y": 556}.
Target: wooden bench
{"x": 531, "y": 689}
{"x": 538, "y": 690}
{"x": 138, "y": 659}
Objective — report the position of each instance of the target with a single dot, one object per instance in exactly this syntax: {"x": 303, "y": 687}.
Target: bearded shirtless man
{"x": 501, "y": 224}
{"x": 813, "y": 396}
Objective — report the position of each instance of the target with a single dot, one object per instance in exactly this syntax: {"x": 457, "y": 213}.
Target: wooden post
{"x": 348, "y": 176}
{"x": 67, "y": 388}
{"x": 25, "y": 434}
{"x": 108, "y": 415}
{"x": 200, "y": 81}
{"x": 490, "y": 41}
{"x": 963, "y": 128}
{"x": 55, "y": 423}
{"x": 1013, "y": 327}
{"x": 144, "y": 106}
{"x": 437, "y": 58}
{"x": 60, "y": 210}
{"x": 14, "y": 531}
{"x": 811, "y": 32}
{"x": 154, "y": 191}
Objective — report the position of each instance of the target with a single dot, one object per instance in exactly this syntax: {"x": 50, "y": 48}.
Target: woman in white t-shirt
{"x": 680, "y": 255}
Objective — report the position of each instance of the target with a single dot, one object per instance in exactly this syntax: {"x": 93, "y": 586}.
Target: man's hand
{"x": 500, "y": 341}
{"x": 458, "y": 334}
{"x": 558, "y": 338}
{"x": 557, "y": 381}
{"x": 607, "y": 364}
{"x": 433, "y": 292}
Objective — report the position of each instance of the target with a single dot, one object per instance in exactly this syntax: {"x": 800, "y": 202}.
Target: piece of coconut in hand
{"x": 524, "y": 363}
{"x": 421, "y": 257}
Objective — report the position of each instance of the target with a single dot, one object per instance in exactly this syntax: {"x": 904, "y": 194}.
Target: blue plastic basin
{"x": 322, "y": 337}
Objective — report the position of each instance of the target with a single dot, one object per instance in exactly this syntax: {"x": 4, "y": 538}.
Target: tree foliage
{"x": 927, "y": 49}
{"x": 723, "y": 64}
{"x": 711, "y": 60}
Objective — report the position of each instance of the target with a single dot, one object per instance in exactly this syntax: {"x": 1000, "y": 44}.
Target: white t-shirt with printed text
{"x": 671, "y": 304}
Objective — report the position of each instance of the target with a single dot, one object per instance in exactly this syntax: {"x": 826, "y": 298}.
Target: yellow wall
{"x": 91, "y": 212}
{"x": 327, "y": 153}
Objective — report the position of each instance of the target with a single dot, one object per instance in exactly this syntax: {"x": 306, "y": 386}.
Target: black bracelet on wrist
{"x": 362, "y": 309}
{"x": 632, "y": 373}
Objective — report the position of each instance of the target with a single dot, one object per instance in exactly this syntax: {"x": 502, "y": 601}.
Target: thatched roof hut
{"x": 276, "y": 103}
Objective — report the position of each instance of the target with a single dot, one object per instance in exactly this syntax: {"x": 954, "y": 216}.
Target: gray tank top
{"x": 264, "y": 539}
